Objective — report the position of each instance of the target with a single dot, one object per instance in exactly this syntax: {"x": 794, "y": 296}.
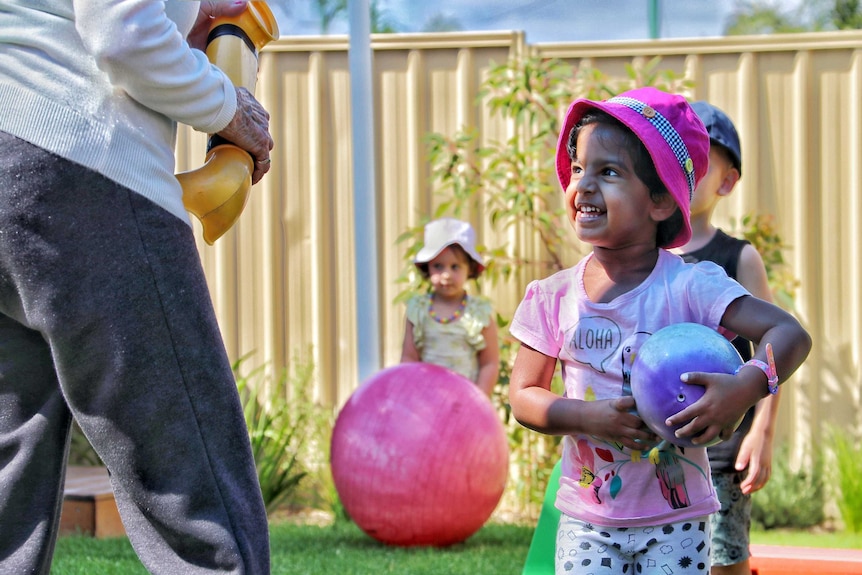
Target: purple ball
{"x": 664, "y": 356}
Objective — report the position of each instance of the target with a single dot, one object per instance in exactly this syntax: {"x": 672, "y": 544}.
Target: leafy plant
{"x": 514, "y": 182}
{"x": 767, "y": 17}
{"x": 318, "y": 490}
{"x": 791, "y": 498}
{"x": 281, "y": 427}
{"x": 847, "y": 479}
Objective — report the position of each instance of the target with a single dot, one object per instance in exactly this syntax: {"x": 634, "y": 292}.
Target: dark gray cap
{"x": 721, "y": 130}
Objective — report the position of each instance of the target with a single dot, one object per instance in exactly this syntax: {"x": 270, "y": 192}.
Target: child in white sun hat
{"x": 447, "y": 326}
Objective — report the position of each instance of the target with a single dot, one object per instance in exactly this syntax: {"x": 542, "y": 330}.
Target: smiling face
{"x": 607, "y": 203}
{"x": 448, "y": 272}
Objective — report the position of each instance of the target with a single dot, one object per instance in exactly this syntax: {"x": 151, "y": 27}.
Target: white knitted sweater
{"x": 104, "y": 82}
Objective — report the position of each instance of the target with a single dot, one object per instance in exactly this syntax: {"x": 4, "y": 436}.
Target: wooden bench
{"x": 88, "y": 504}
{"x": 785, "y": 560}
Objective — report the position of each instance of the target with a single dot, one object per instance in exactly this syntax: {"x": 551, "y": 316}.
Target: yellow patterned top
{"x": 455, "y": 344}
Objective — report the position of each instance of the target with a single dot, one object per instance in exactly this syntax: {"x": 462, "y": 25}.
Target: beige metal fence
{"x": 283, "y": 278}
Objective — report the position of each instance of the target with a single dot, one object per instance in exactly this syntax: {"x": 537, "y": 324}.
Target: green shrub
{"x": 847, "y": 479}
{"x": 318, "y": 487}
{"x": 791, "y": 498}
{"x": 283, "y": 425}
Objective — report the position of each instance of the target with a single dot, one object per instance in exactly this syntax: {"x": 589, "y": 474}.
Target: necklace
{"x": 444, "y": 320}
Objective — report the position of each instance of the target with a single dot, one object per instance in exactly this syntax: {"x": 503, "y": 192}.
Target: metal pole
{"x": 654, "y": 20}
{"x": 364, "y": 186}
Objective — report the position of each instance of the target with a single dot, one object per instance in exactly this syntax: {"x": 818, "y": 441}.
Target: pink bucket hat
{"x": 442, "y": 233}
{"x": 670, "y": 130}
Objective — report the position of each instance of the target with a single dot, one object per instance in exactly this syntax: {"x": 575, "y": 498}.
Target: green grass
{"x": 317, "y": 550}
{"x": 812, "y": 538}
{"x": 82, "y": 555}
{"x": 342, "y": 548}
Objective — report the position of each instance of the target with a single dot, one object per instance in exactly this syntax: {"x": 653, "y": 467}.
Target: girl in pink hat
{"x": 447, "y": 326}
{"x": 628, "y": 166}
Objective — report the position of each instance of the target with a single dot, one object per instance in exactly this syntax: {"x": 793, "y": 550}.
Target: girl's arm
{"x": 728, "y": 397}
{"x": 489, "y": 360}
{"x": 408, "y": 348}
{"x": 535, "y": 406}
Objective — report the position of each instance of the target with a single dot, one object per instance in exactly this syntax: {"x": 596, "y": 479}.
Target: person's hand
{"x": 249, "y": 130}
{"x": 755, "y": 453}
{"x": 725, "y": 401}
{"x": 613, "y": 420}
{"x": 209, "y": 9}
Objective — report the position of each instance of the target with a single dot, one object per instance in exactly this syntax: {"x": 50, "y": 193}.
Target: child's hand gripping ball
{"x": 662, "y": 359}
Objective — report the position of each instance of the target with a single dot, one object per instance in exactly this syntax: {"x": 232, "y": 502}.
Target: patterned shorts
{"x": 730, "y": 524}
{"x": 681, "y": 548}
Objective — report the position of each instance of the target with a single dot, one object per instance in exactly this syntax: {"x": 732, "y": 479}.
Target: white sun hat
{"x": 442, "y": 233}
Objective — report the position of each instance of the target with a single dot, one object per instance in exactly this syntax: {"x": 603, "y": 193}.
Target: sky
{"x": 540, "y": 20}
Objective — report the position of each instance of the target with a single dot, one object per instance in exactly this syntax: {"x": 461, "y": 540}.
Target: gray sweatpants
{"x": 105, "y": 316}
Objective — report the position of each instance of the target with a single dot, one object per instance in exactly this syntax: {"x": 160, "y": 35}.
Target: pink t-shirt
{"x": 601, "y": 482}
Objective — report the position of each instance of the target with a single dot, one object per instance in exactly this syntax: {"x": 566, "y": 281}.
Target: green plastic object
{"x": 540, "y": 556}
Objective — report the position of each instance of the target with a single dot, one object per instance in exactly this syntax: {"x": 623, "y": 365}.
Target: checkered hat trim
{"x": 668, "y": 134}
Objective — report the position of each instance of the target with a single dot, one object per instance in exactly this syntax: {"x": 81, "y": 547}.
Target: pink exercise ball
{"x": 419, "y": 456}
{"x": 662, "y": 359}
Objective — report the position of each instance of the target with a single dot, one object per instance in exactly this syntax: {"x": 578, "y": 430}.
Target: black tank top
{"x": 725, "y": 251}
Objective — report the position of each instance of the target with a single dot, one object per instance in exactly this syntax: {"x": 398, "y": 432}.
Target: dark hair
{"x": 643, "y": 165}
{"x": 474, "y": 265}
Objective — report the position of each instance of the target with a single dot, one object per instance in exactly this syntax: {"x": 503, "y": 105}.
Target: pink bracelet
{"x": 768, "y": 369}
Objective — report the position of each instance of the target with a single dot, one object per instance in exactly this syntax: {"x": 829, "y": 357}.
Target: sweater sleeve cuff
{"x": 227, "y": 112}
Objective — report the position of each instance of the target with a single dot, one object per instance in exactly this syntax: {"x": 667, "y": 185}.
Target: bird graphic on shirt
{"x": 671, "y": 477}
